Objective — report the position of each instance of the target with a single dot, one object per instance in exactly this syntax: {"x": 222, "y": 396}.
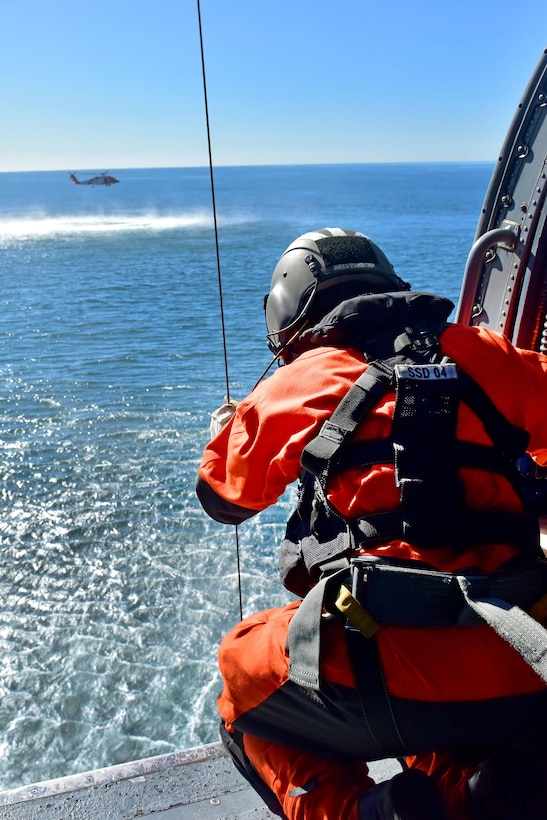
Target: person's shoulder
{"x": 320, "y": 367}
{"x": 324, "y": 360}
{"x": 480, "y": 348}
{"x": 471, "y": 335}
{"x": 329, "y": 353}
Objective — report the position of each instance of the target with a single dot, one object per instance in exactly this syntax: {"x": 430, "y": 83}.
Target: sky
{"x": 119, "y": 84}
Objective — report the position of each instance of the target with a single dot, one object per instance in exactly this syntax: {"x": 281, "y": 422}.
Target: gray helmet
{"x": 314, "y": 263}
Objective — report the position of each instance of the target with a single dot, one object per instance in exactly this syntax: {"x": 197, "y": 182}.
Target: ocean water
{"x": 115, "y": 587}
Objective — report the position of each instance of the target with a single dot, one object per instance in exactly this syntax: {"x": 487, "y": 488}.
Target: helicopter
{"x": 101, "y": 179}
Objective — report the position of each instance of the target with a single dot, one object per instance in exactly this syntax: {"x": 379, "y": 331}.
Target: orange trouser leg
{"x": 309, "y": 787}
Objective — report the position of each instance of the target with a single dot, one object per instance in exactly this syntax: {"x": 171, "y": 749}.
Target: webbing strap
{"x": 514, "y": 625}
{"x": 512, "y": 441}
{"x": 304, "y": 635}
{"x": 360, "y": 398}
{"x": 373, "y": 694}
{"x": 416, "y": 596}
{"x": 487, "y": 526}
{"x": 367, "y": 452}
{"x": 304, "y": 646}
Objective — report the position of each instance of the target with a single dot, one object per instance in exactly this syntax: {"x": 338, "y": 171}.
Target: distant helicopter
{"x": 101, "y": 179}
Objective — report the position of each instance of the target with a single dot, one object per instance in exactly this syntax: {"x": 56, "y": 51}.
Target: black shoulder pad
{"x": 375, "y": 320}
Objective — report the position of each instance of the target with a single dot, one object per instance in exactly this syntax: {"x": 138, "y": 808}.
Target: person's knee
{"x": 309, "y": 786}
{"x": 410, "y": 795}
{"x": 233, "y": 742}
{"x": 510, "y": 784}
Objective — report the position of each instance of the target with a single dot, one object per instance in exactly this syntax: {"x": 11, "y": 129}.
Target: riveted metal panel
{"x": 505, "y": 283}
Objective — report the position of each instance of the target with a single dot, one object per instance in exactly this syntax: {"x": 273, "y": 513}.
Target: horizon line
{"x": 251, "y": 165}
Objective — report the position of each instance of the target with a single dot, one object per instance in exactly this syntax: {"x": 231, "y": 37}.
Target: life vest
{"x": 399, "y": 335}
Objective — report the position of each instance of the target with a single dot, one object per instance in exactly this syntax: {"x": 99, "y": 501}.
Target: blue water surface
{"x": 115, "y": 586}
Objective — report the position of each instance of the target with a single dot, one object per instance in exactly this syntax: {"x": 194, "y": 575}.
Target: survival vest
{"x": 398, "y": 332}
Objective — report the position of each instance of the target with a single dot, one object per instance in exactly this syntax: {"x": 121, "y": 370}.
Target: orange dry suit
{"x": 415, "y": 527}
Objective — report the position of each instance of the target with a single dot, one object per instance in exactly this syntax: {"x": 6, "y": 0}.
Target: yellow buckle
{"x": 355, "y": 613}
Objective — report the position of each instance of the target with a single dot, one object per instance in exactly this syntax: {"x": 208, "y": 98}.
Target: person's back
{"x": 408, "y": 489}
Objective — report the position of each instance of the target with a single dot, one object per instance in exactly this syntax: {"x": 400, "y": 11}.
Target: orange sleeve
{"x": 253, "y": 460}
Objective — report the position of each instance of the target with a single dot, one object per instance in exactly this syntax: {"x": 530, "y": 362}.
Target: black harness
{"x": 426, "y": 455}
{"x": 318, "y": 559}
{"x": 423, "y": 448}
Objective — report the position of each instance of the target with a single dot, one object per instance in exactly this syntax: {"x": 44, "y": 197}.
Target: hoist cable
{"x": 219, "y": 276}
{"x": 213, "y": 198}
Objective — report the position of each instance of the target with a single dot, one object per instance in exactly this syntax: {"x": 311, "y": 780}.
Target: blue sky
{"x": 118, "y": 84}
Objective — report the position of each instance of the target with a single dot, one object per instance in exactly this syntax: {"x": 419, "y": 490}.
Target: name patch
{"x": 427, "y": 372}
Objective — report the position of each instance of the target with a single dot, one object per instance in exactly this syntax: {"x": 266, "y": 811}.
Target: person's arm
{"x": 218, "y": 508}
{"x": 249, "y": 464}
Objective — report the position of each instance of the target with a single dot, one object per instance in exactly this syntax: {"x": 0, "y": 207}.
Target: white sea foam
{"x": 43, "y": 225}
{"x": 116, "y": 586}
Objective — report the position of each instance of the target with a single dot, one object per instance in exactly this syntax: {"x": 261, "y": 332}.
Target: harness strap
{"x": 367, "y": 391}
{"x": 304, "y": 635}
{"x": 509, "y": 440}
{"x": 373, "y": 694}
{"x": 427, "y": 458}
{"x": 489, "y": 526}
{"x": 515, "y": 626}
{"x": 380, "y": 451}
{"x": 320, "y": 554}
{"x": 304, "y": 647}
{"x": 403, "y": 595}
{"x": 512, "y": 441}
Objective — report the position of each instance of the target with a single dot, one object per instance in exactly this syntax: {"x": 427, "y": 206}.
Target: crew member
{"x": 416, "y": 633}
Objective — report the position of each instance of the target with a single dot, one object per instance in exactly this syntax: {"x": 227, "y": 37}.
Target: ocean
{"x": 115, "y": 586}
